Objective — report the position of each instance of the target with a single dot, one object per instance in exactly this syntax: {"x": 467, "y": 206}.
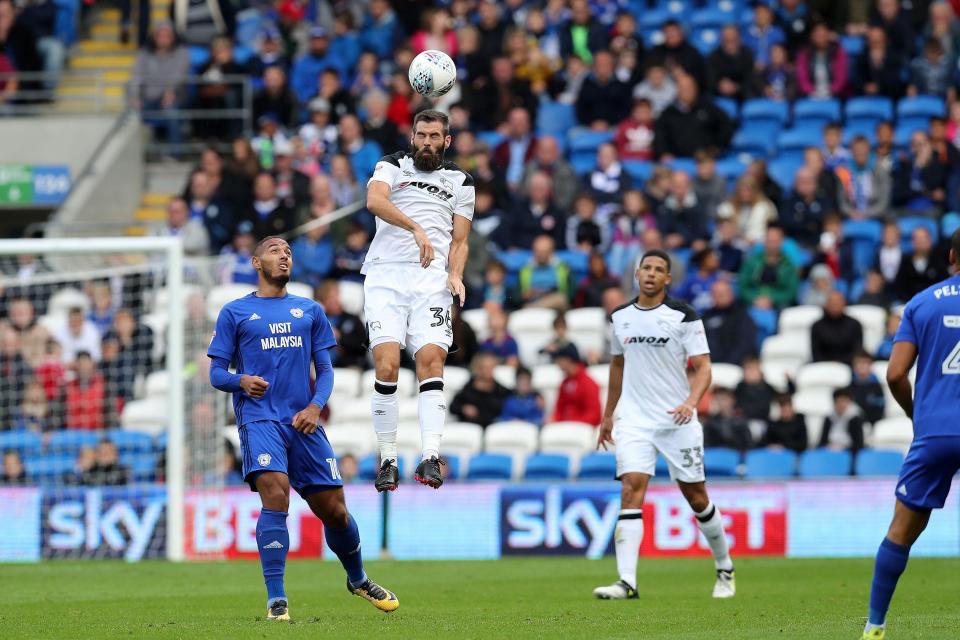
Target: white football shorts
{"x": 408, "y": 304}
{"x": 681, "y": 447}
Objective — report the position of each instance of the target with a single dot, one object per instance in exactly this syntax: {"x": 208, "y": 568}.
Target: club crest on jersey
{"x": 432, "y": 189}
{"x": 296, "y": 312}
{"x": 264, "y": 459}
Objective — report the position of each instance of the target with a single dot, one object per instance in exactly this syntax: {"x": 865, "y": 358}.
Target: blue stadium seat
{"x": 771, "y": 463}
{"x": 856, "y": 289}
{"x": 711, "y": 18}
{"x": 653, "y": 18}
{"x": 853, "y": 45}
{"x": 860, "y": 127}
{"x": 583, "y": 144}
{"x": 687, "y": 165}
{"x": 921, "y": 106}
{"x": 143, "y": 466}
{"x": 765, "y": 110}
{"x": 720, "y": 462}
{"x": 905, "y": 130}
{"x": 819, "y": 463}
{"x": 766, "y": 321}
{"x": 599, "y": 465}
{"x": 878, "y": 462}
{"x": 576, "y": 260}
{"x": 491, "y": 138}
{"x": 489, "y": 466}
{"x": 731, "y": 167}
{"x": 746, "y": 18}
{"x": 547, "y": 466}
{"x": 783, "y": 170}
{"x": 71, "y": 440}
{"x": 23, "y": 442}
{"x": 652, "y": 36}
{"x": 730, "y": 106}
{"x": 242, "y": 54}
{"x": 249, "y": 24}
{"x": 864, "y": 236}
{"x": 799, "y": 138}
{"x": 909, "y": 223}
{"x": 872, "y": 108}
{"x": 131, "y": 440}
{"x": 453, "y": 467}
{"x": 679, "y": 10}
{"x": 816, "y": 111}
{"x": 705, "y": 39}
{"x": 639, "y": 170}
{"x": 555, "y": 119}
{"x": 199, "y": 56}
{"x": 160, "y": 441}
{"x": 732, "y": 8}
{"x": 949, "y": 224}
{"x": 754, "y": 141}
{"x": 49, "y": 467}
{"x": 514, "y": 260}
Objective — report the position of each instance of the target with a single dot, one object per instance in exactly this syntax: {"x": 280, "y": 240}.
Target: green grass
{"x": 521, "y": 598}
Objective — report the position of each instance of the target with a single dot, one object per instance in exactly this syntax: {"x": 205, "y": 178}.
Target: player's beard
{"x": 278, "y": 279}
{"x": 425, "y": 160}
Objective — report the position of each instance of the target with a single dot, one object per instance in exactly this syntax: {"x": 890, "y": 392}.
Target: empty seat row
{"x": 72, "y": 440}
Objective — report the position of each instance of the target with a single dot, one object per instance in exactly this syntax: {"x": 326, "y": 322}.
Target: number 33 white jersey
{"x": 655, "y": 344}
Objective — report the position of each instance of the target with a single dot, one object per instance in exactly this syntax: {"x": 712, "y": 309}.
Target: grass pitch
{"x": 517, "y": 598}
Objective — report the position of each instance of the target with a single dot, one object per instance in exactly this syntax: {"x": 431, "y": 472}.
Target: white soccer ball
{"x": 432, "y": 73}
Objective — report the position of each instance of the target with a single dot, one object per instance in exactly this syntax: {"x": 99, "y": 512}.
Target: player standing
{"x": 652, "y": 339}
{"x": 424, "y": 209}
{"x": 272, "y": 337}
{"x": 929, "y": 335}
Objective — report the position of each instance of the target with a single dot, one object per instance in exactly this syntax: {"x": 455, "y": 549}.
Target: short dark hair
{"x": 432, "y": 115}
{"x": 260, "y": 245}
{"x": 843, "y": 392}
{"x": 657, "y": 253}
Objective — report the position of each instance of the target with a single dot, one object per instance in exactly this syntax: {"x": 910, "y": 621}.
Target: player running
{"x": 424, "y": 209}
{"x": 652, "y": 339}
{"x": 272, "y": 337}
{"x": 929, "y": 335}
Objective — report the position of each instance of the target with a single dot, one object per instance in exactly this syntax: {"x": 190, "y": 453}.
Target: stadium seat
{"x": 949, "y": 223}
{"x": 766, "y": 321}
{"x": 823, "y": 375}
{"x": 477, "y": 319}
{"x": 489, "y": 466}
{"x": 752, "y": 140}
{"x": 600, "y": 373}
{"x": 220, "y": 295}
{"x": 679, "y": 10}
{"x": 909, "y": 223}
{"x": 783, "y": 170}
{"x": 726, "y": 375}
{"x": 867, "y": 230}
{"x": 547, "y": 466}
{"x": 710, "y": 17}
{"x": 853, "y": 45}
{"x": 515, "y": 438}
{"x": 351, "y": 297}
{"x": 799, "y": 138}
{"x": 587, "y": 328}
{"x": 49, "y": 468}
{"x": 791, "y": 348}
{"x": 820, "y": 463}
{"x": 555, "y": 119}
{"x": 873, "y": 108}
{"x": 600, "y": 465}
{"x": 800, "y": 318}
{"x": 705, "y": 39}
{"x": 148, "y": 415}
{"x": 730, "y": 106}
{"x": 199, "y": 56}
{"x": 583, "y": 144}
{"x": 893, "y": 433}
{"x": 731, "y": 167}
{"x": 874, "y": 322}
{"x": 775, "y": 373}
{"x": 408, "y": 436}
{"x": 878, "y": 462}
{"x": 921, "y": 106}
{"x": 132, "y": 441}
{"x": 720, "y": 462}
{"x": 661, "y": 470}
{"x": 905, "y": 130}
{"x": 652, "y": 37}
{"x": 505, "y": 375}
{"x": 813, "y": 401}
{"x": 860, "y": 127}
{"x": 23, "y": 442}
{"x": 454, "y": 379}
{"x": 347, "y": 409}
{"x": 65, "y": 299}
{"x": 407, "y": 409}
{"x": 815, "y": 112}
{"x": 573, "y": 439}
{"x": 143, "y": 466}
{"x": 491, "y": 138}
{"x": 355, "y": 438}
{"x": 367, "y": 467}
{"x": 547, "y": 377}
{"x": 346, "y": 381}
{"x": 406, "y": 382}
{"x": 654, "y": 18}
{"x": 71, "y": 440}
{"x": 532, "y": 329}
{"x": 765, "y": 110}
{"x": 638, "y": 170}
{"x": 462, "y": 439}
{"x": 687, "y": 165}
{"x": 157, "y": 383}
{"x": 771, "y": 463}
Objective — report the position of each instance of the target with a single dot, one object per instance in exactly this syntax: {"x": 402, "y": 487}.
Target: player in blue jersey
{"x": 272, "y": 338}
{"x": 929, "y": 335}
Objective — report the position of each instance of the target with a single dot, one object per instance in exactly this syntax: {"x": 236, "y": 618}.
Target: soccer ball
{"x": 432, "y": 73}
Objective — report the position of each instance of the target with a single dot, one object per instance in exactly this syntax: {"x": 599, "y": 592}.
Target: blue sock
{"x": 273, "y": 541}
{"x": 346, "y": 544}
{"x": 891, "y": 561}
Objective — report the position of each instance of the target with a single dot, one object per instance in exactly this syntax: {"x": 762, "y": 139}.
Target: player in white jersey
{"x": 424, "y": 209}
{"x": 652, "y": 339}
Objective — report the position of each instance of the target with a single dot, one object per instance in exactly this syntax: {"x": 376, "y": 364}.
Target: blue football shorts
{"x": 308, "y": 460}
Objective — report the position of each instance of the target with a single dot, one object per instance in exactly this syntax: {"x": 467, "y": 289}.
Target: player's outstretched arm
{"x": 902, "y": 357}
{"x": 378, "y": 203}
{"x": 614, "y": 388}
{"x": 699, "y": 383}
{"x": 458, "y": 257}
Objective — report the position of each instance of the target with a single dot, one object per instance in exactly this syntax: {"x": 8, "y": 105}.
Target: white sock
{"x": 385, "y": 410}
{"x": 627, "y": 538}
{"x": 432, "y": 409}
{"x": 711, "y": 524}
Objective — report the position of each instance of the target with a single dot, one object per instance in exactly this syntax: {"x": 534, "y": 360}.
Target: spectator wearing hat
{"x": 603, "y": 98}
{"x": 305, "y": 75}
{"x": 579, "y": 397}
{"x": 691, "y": 123}
{"x": 276, "y": 98}
{"x": 731, "y": 332}
{"x": 198, "y": 22}
{"x": 234, "y": 264}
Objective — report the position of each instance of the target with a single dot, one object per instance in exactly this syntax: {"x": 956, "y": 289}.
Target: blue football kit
{"x": 931, "y": 321}
{"x": 277, "y": 339}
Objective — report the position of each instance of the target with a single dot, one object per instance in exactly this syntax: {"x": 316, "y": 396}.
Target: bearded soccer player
{"x": 653, "y": 338}
{"x": 414, "y": 268}
{"x": 929, "y": 336}
{"x": 272, "y": 337}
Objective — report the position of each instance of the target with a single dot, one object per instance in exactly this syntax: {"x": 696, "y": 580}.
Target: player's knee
{"x": 335, "y": 516}
{"x": 388, "y": 370}
{"x": 275, "y": 498}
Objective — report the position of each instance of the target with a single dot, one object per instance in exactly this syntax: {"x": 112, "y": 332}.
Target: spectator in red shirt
{"x": 85, "y": 396}
{"x": 579, "y": 397}
{"x": 634, "y": 137}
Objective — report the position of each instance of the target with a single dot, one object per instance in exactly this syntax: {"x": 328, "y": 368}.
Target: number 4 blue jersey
{"x": 931, "y": 321}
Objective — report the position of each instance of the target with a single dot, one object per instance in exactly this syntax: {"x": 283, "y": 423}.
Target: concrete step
{"x": 102, "y": 61}
{"x": 136, "y": 230}
{"x": 105, "y": 46}
{"x": 153, "y": 199}
{"x": 109, "y": 92}
{"x": 150, "y": 214}
{"x": 108, "y": 78}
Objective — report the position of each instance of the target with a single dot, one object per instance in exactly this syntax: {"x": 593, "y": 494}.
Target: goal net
{"x": 107, "y": 417}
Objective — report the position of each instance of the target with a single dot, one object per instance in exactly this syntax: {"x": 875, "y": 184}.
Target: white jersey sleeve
{"x": 616, "y": 349}
{"x": 465, "y": 202}
{"x": 385, "y": 171}
{"x": 695, "y": 338}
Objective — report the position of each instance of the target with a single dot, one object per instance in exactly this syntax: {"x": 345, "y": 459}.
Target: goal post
{"x": 63, "y": 264}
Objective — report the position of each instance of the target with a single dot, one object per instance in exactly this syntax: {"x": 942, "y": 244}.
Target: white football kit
{"x": 403, "y": 302}
{"x": 655, "y": 344}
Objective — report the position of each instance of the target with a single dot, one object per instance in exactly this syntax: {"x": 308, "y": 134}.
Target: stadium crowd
{"x": 594, "y": 131}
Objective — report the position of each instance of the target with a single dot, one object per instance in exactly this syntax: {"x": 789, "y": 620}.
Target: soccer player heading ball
{"x": 424, "y": 209}
{"x": 652, "y": 339}
{"x": 272, "y": 337}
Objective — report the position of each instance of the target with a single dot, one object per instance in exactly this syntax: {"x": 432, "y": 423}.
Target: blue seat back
{"x": 48, "y": 468}
{"x": 730, "y": 106}
{"x": 131, "y": 440}
{"x": 878, "y": 462}
{"x": 783, "y": 170}
{"x": 639, "y": 170}
{"x": 771, "y": 463}
{"x": 820, "y": 463}
{"x": 909, "y": 223}
{"x": 547, "y": 466}
{"x": 816, "y": 110}
{"x": 490, "y": 466}
{"x": 765, "y": 109}
{"x": 860, "y": 127}
{"x": 599, "y": 465}
{"x": 872, "y": 108}
{"x": 23, "y": 442}
{"x": 720, "y": 462}
{"x": 799, "y": 138}
{"x": 921, "y": 106}
{"x": 555, "y": 119}
{"x": 949, "y": 224}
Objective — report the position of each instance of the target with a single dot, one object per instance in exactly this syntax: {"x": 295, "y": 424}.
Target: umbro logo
{"x": 274, "y": 545}
{"x": 254, "y": 317}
